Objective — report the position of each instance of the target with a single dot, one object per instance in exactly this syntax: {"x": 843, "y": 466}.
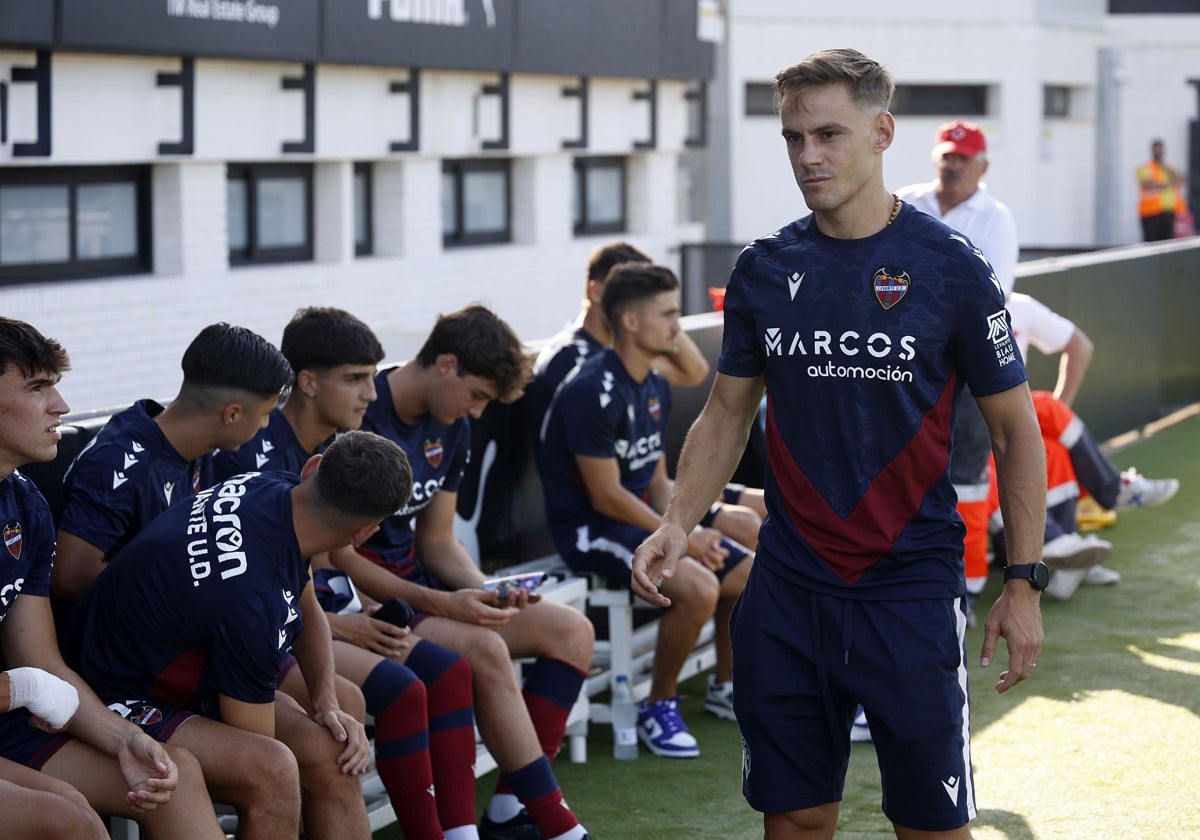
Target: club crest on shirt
{"x": 434, "y": 450}
{"x": 12, "y": 539}
{"x": 891, "y": 285}
{"x": 655, "y": 408}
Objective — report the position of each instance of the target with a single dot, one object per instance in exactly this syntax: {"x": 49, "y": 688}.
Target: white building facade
{"x": 1068, "y": 92}
{"x": 165, "y": 164}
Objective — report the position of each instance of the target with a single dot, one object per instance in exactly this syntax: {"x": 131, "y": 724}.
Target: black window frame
{"x": 459, "y": 169}
{"x": 759, "y": 99}
{"x": 582, "y": 166}
{"x": 75, "y": 268}
{"x": 1056, "y": 101}
{"x": 367, "y": 247}
{"x": 941, "y": 100}
{"x": 250, "y": 174}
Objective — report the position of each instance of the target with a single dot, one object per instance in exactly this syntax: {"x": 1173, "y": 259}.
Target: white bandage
{"x": 45, "y": 695}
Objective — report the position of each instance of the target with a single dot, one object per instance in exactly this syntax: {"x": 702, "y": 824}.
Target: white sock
{"x": 463, "y": 832}
{"x": 503, "y": 808}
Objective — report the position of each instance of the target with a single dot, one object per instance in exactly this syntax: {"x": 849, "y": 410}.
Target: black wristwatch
{"x": 1037, "y": 574}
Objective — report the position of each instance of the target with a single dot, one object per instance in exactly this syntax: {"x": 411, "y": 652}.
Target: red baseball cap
{"x": 959, "y": 138}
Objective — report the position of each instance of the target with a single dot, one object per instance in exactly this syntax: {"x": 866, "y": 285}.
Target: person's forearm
{"x": 1021, "y": 477}
{"x": 449, "y": 562}
{"x": 686, "y": 366}
{"x": 314, "y": 653}
{"x": 710, "y": 454}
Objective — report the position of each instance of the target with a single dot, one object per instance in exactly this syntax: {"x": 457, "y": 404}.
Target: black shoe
{"x": 520, "y": 827}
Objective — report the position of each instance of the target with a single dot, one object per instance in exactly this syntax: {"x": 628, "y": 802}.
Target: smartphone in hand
{"x": 395, "y": 611}
{"x": 503, "y": 586}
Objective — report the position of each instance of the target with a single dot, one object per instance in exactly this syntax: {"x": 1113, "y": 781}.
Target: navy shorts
{"x": 731, "y": 495}
{"x": 804, "y": 661}
{"x": 25, "y": 744}
{"x": 608, "y": 552}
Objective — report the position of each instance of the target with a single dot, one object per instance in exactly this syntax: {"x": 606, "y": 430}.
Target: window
{"x": 476, "y": 202}
{"x": 72, "y": 222}
{"x": 941, "y": 100}
{"x": 364, "y": 241}
{"x": 269, "y": 212}
{"x": 760, "y": 99}
{"x": 599, "y": 195}
{"x": 1056, "y": 101}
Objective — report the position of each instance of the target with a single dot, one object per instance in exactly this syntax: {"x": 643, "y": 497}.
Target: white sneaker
{"x": 718, "y": 699}
{"x": 1064, "y": 582}
{"x": 1139, "y": 491}
{"x": 860, "y": 733}
{"x": 1071, "y": 551}
{"x": 1101, "y": 576}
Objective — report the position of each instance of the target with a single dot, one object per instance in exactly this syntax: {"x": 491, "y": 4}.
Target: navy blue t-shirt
{"x": 864, "y": 346}
{"x": 127, "y": 475}
{"x": 438, "y": 455}
{"x": 28, "y": 530}
{"x": 202, "y": 602}
{"x": 600, "y": 412}
{"x": 558, "y": 357}
{"x": 273, "y": 448}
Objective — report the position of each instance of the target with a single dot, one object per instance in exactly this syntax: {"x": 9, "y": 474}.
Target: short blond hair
{"x": 868, "y": 82}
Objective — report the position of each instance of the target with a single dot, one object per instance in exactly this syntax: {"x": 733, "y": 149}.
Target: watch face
{"x": 1040, "y": 577}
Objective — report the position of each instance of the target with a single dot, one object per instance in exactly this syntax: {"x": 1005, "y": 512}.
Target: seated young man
{"x": 419, "y": 694}
{"x": 605, "y": 483}
{"x": 62, "y": 753}
{"x": 740, "y": 510}
{"x": 187, "y": 628}
{"x": 147, "y": 457}
{"x": 470, "y": 358}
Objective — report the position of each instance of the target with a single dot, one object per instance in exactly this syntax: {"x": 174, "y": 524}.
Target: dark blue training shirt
{"x": 438, "y": 455}
{"x": 127, "y": 475}
{"x": 203, "y": 601}
{"x": 28, "y": 531}
{"x": 864, "y": 345}
{"x": 600, "y": 412}
{"x": 558, "y": 357}
{"x": 273, "y": 448}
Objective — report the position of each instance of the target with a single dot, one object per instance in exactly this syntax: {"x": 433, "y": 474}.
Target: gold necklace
{"x": 895, "y": 209}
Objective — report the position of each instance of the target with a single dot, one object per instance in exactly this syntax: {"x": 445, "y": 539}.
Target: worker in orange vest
{"x": 1159, "y": 195}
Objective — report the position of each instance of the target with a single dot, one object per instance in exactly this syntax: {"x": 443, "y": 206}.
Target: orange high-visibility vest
{"x": 1154, "y": 202}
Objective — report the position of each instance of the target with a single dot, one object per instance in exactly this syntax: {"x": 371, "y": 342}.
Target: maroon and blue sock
{"x": 448, "y": 687}
{"x": 396, "y": 699}
{"x": 535, "y": 785}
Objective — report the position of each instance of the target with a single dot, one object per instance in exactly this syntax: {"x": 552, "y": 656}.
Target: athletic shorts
{"x": 804, "y": 661}
{"x": 731, "y": 495}
{"x": 23, "y": 743}
{"x": 608, "y": 552}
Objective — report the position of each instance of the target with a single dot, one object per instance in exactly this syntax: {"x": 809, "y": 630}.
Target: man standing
{"x": 959, "y": 198}
{"x": 605, "y": 481}
{"x": 51, "y": 721}
{"x": 188, "y": 626}
{"x": 470, "y": 358}
{"x": 862, "y": 321}
{"x": 1158, "y": 195}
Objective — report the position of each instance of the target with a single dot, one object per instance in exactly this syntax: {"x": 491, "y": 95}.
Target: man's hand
{"x": 477, "y": 606}
{"x": 149, "y": 772}
{"x": 345, "y": 729}
{"x": 655, "y": 560}
{"x": 376, "y": 636}
{"x": 47, "y": 697}
{"x": 704, "y": 544}
{"x": 1017, "y": 617}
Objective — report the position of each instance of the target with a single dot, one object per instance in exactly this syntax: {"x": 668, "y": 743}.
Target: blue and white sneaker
{"x": 860, "y": 733}
{"x": 663, "y": 731}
